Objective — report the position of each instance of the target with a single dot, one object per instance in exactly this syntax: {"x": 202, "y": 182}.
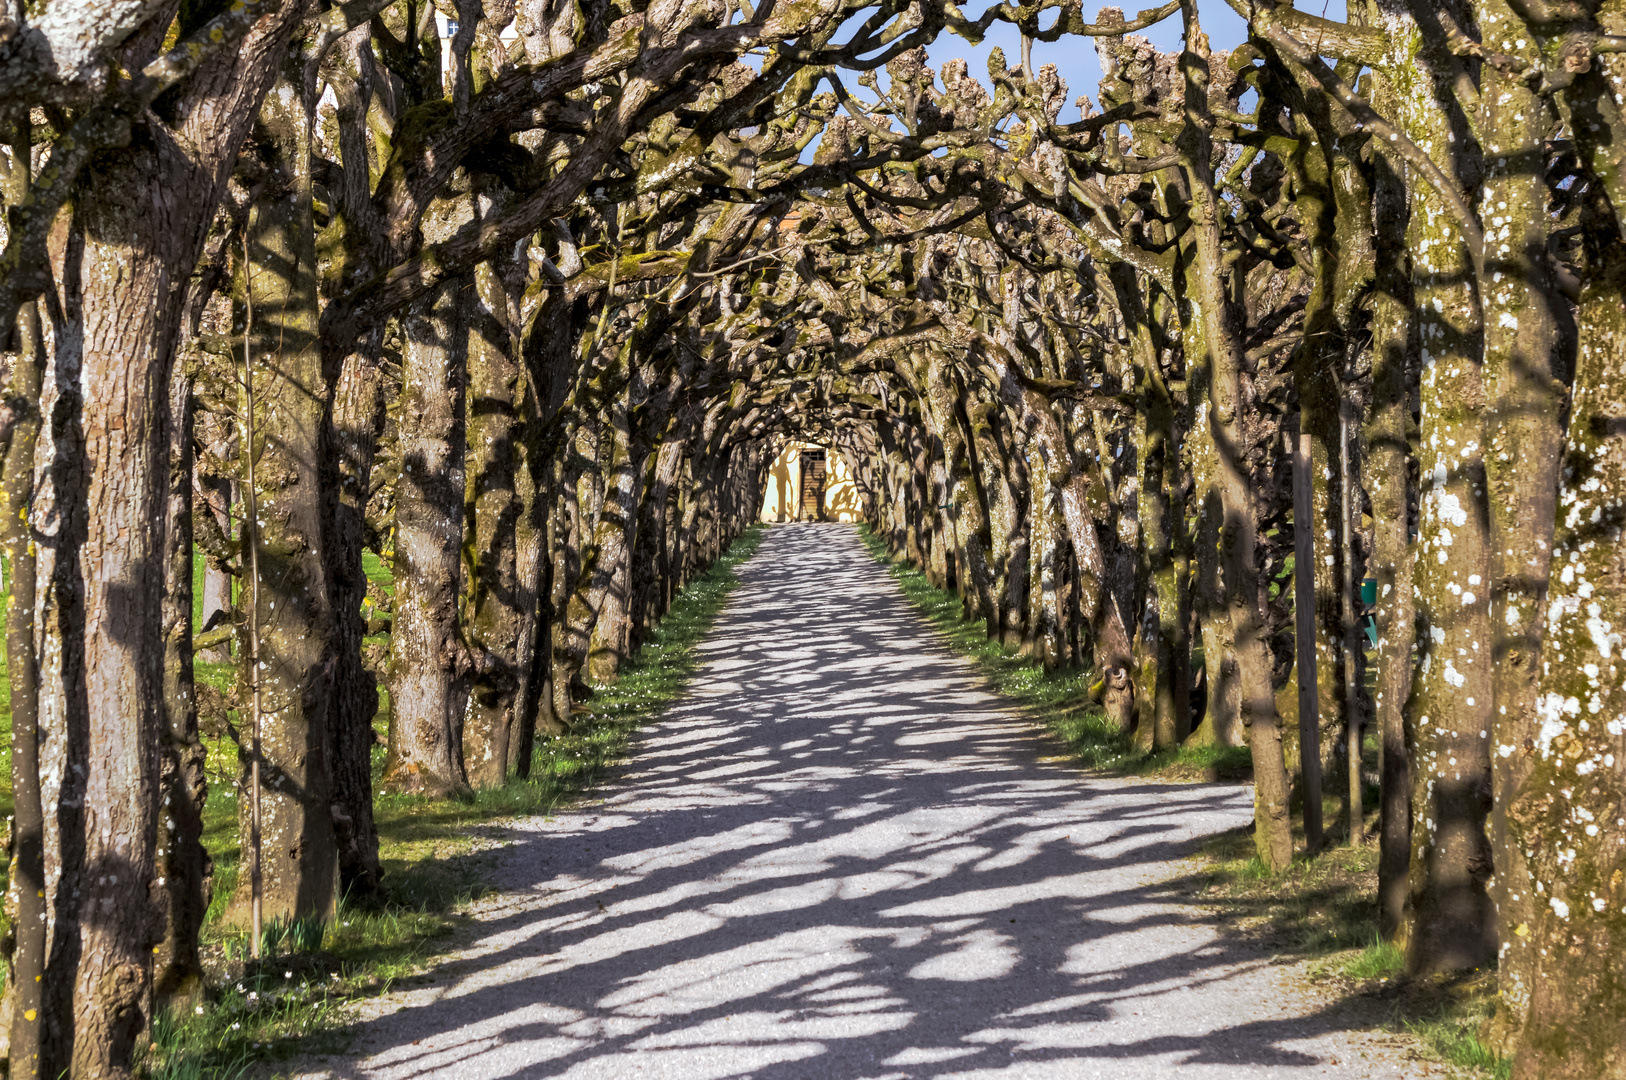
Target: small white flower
{"x": 287, "y": 974}
{"x": 235, "y": 1025}
{"x": 200, "y": 1010}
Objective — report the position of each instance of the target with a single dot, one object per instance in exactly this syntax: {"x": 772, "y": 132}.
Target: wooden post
{"x": 1304, "y": 622}
{"x": 1352, "y": 630}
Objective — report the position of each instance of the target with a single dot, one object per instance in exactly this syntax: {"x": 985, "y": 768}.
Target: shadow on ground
{"x": 838, "y": 858}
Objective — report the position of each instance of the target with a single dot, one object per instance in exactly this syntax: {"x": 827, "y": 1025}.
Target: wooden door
{"x": 813, "y": 480}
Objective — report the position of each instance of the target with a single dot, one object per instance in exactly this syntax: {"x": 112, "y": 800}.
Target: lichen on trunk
{"x": 429, "y": 661}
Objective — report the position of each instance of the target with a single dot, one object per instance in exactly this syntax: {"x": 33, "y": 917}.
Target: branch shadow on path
{"x": 837, "y": 857}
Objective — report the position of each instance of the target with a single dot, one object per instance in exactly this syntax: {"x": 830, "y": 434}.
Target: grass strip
{"x": 1059, "y": 699}
{"x": 1324, "y": 911}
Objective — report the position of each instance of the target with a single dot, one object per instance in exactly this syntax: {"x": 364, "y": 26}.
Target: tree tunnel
{"x": 431, "y": 350}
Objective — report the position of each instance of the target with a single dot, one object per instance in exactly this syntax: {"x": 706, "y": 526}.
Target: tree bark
{"x": 1451, "y": 922}
{"x": 185, "y": 869}
{"x": 217, "y": 606}
{"x": 1529, "y": 337}
{"x": 1167, "y": 690}
{"x": 604, "y": 594}
{"x": 1339, "y": 248}
{"x": 495, "y": 606}
{"x": 1222, "y": 713}
{"x": 349, "y": 440}
{"x": 140, "y": 218}
{"x": 1218, "y": 339}
{"x": 429, "y": 666}
{"x": 1566, "y": 818}
{"x": 1044, "y": 522}
{"x": 1304, "y": 617}
{"x": 25, "y": 900}
{"x": 1389, "y": 452}
{"x": 298, "y": 860}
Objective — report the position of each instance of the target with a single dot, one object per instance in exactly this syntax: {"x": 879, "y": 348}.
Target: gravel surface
{"x": 839, "y": 858}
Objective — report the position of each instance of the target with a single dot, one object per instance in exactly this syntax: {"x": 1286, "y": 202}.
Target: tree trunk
{"x": 961, "y": 504}
{"x": 1044, "y": 605}
{"x": 566, "y": 542}
{"x": 1566, "y": 819}
{"x": 25, "y": 900}
{"x": 185, "y": 870}
{"x": 216, "y": 458}
{"x": 217, "y": 606}
{"x": 60, "y": 525}
{"x": 102, "y": 652}
{"x": 668, "y": 459}
{"x": 140, "y": 219}
{"x": 1217, "y": 338}
{"x": 429, "y": 667}
{"x": 603, "y": 596}
{"x": 1305, "y": 653}
{"x": 1013, "y": 481}
{"x": 348, "y": 444}
{"x": 940, "y": 568}
{"x": 1529, "y": 336}
{"x": 1168, "y": 690}
{"x": 1335, "y": 240}
{"x": 495, "y": 608}
{"x": 551, "y": 354}
{"x": 1388, "y": 454}
{"x": 1000, "y": 512}
{"x": 1451, "y": 925}
{"x": 298, "y": 861}
{"x": 1222, "y": 714}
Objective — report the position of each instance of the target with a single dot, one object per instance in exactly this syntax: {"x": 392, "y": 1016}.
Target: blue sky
{"x": 1075, "y": 57}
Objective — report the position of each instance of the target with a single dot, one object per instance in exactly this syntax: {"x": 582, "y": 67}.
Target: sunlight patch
{"x": 982, "y": 954}
{"x": 924, "y": 1056}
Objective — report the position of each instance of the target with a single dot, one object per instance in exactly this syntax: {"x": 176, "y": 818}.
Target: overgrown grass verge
{"x": 1059, "y": 699}
{"x": 1323, "y": 910}
{"x": 1450, "y": 1023}
{"x": 437, "y": 856}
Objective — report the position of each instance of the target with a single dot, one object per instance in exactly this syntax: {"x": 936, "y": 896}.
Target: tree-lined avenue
{"x": 841, "y": 857}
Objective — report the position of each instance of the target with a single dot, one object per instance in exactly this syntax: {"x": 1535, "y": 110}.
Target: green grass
{"x": 296, "y": 1000}
{"x": 6, "y": 804}
{"x": 1060, "y": 699}
{"x": 377, "y": 570}
{"x": 1323, "y": 909}
{"x": 1452, "y": 1033}
{"x": 1379, "y": 960}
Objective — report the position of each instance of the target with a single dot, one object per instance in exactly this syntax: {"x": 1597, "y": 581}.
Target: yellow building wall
{"x": 784, "y": 489}
{"x": 840, "y": 492}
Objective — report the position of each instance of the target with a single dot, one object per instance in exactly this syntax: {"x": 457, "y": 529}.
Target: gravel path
{"x": 838, "y": 858}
